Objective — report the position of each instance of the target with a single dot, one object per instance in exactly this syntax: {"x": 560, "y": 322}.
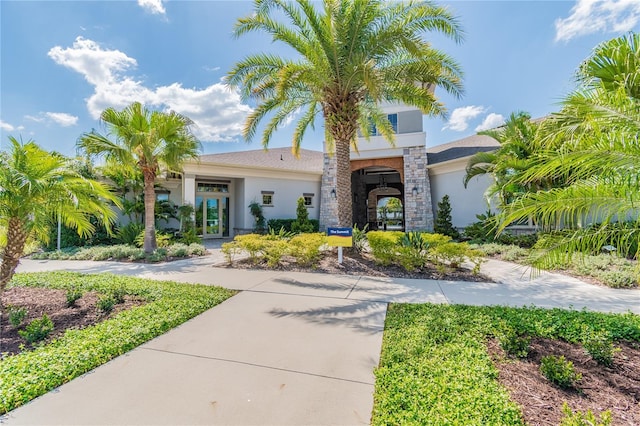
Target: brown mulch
{"x": 40, "y": 301}
{"x": 360, "y": 264}
{"x": 615, "y": 388}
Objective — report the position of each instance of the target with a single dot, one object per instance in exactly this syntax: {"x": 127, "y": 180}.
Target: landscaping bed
{"x": 150, "y": 308}
{"x": 52, "y": 302}
{"x": 441, "y": 364}
{"x": 362, "y": 264}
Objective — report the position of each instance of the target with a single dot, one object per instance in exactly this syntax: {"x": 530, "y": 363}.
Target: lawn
{"x": 437, "y": 366}
{"x": 166, "y": 305}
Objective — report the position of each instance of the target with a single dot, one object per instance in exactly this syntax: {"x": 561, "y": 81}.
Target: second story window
{"x": 393, "y": 120}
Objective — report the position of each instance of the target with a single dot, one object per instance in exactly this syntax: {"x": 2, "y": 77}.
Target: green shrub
{"x": 482, "y": 231}
{"x": 190, "y": 237}
{"x": 128, "y": 234}
{"x": 162, "y": 239}
{"x": 579, "y": 418}
{"x": 253, "y": 244}
{"x": 513, "y": 343}
{"x": 37, "y": 330}
{"x": 523, "y": 241}
{"x": 33, "y": 373}
{"x": 559, "y": 371}
{"x": 231, "y": 250}
{"x": 305, "y": 248}
{"x": 73, "y": 295}
{"x": 105, "y": 304}
{"x": 17, "y": 314}
{"x": 197, "y": 249}
{"x": 384, "y": 245}
{"x": 505, "y": 252}
{"x": 178, "y": 250}
{"x": 158, "y": 255}
{"x": 599, "y": 346}
{"x": 275, "y": 251}
{"x": 434, "y": 240}
{"x": 618, "y": 279}
{"x": 452, "y": 255}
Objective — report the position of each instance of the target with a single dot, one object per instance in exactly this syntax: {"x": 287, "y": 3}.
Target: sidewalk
{"x": 291, "y": 349}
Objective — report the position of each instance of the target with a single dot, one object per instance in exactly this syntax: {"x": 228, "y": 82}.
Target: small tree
{"x": 443, "y": 223}
{"x": 302, "y": 223}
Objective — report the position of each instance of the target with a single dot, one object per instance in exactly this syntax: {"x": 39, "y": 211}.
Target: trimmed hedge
{"x": 435, "y": 369}
{"x": 33, "y": 373}
{"x": 276, "y": 224}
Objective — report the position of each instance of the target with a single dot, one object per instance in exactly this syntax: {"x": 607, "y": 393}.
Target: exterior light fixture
{"x": 333, "y": 194}
{"x": 414, "y": 191}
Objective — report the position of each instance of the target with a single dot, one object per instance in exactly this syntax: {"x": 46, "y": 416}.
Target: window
{"x": 162, "y": 195}
{"x": 308, "y": 199}
{"x": 393, "y": 120}
{"x": 267, "y": 198}
{"x": 212, "y": 187}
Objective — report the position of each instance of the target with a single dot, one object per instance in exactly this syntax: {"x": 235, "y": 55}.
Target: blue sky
{"x": 63, "y": 62}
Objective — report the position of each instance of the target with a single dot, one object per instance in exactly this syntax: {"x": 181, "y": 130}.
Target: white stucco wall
{"x": 285, "y": 197}
{"x": 467, "y": 202}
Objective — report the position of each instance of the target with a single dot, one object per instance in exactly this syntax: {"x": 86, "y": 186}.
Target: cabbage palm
{"x": 351, "y": 56}
{"x": 144, "y": 140}
{"x": 38, "y": 188}
{"x": 598, "y": 157}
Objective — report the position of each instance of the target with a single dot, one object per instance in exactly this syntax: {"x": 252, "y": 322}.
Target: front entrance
{"x": 212, "y": 216}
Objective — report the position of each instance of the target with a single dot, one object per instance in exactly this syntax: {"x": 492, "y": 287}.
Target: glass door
{"x": 211, "y": 215}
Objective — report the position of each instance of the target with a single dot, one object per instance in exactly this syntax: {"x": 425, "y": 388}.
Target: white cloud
{"x": 6, "y": 126}
{"x": 34, "y": 118}
{"x": 62, "y": 118}
{"x": 217, "y": 112}
{"x": 459, "y": 120}
{"x": 154, "y": 7}
{"x": 591, "y": 16}
{"x": 491, "y": 121}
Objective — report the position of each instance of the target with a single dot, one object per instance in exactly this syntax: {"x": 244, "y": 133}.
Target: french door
{"x": 212, "y": 213}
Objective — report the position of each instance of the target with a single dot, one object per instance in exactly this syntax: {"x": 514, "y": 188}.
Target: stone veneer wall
{"x": 417, "y": 208}
{"x": 328, "y": 204}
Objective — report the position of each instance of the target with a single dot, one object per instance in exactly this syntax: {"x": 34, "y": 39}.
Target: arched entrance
{"x": 371, "y": 184}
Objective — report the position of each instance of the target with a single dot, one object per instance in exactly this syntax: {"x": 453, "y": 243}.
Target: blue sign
{"x": 340, "y": 237}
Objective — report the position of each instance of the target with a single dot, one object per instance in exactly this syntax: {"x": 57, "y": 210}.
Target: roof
{"x": 274, "y": 158}
{"x": 461, "y": 148}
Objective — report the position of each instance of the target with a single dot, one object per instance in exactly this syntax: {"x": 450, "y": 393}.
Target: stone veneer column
{"x": 328, "y": 204}
{"x": 417, "y": 208}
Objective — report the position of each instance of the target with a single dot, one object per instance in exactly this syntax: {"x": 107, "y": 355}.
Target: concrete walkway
{"x": 291, "y": 349}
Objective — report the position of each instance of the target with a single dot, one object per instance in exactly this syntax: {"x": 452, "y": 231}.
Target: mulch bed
{"x": 358, "y": 264}
{"x": 615, "y": 388}
{"x": 40, "y": 301}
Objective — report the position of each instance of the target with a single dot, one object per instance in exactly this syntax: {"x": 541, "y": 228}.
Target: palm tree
{"x": 149, "y": 141}
{"x": 598, "y": 158}
{"x": 518, "y": 143}
{"x": 352, "y": 56}
{"x": 38, "y": 188}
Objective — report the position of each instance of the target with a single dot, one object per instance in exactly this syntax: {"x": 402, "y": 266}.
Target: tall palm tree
{"x": 599, "y": 157}
{"x": 147, "y": 140}
{"x": 517, "y": 138}
{"x": 352, "y": 56}
{"x": 38, "y": 188}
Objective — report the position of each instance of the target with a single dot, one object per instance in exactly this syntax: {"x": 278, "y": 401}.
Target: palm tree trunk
{"x": 343, "y": 190}
{"x": 16, "y": 238}
{"x": 341, "y": 120}
{"x": 150, "y": 243}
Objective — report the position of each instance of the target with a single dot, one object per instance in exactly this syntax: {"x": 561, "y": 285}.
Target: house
{"x": 221, "y": 186}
